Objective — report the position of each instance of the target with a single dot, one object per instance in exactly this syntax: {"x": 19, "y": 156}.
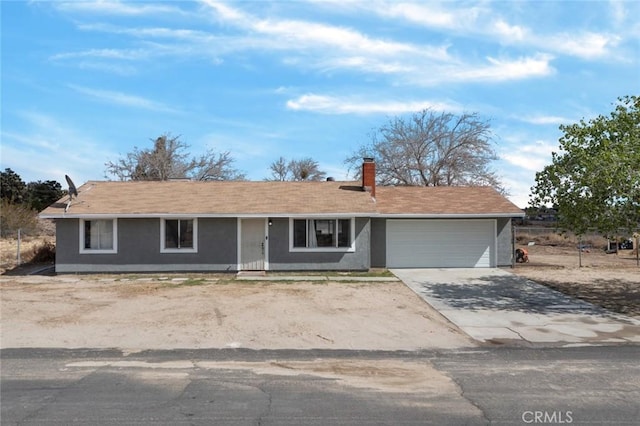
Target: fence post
{"x": 18, "y": 258}
{"x": 580, "y": 251}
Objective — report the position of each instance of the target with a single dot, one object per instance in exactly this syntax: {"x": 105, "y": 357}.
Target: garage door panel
{"x": 440, "y": 243}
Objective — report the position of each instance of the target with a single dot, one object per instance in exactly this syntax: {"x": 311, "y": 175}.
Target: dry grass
{"x": 30, "y": 249}
{"x": 560, "y": 240}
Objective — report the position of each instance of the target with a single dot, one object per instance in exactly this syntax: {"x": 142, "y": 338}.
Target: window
{"x": 322, "y": 233}
{"x": 98, "y": 236}
{"x": 179, "y": 235}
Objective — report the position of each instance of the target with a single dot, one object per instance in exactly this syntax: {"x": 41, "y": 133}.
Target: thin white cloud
{"x": 313, "y": 34}
{"x": 154, "y": 32}
{"x": 518, "y": 186}
{"x": 587, "y": 45}
{"x": 329, "y": 48}
{"x": 501, "y": 70}
{"x": 124, "y": 99}
{"x": 367, "y": 64}
{"x": 525, "y": 161}
{"x": 431, "y": 15}
{"x": 241, "y": 149}
{"x": 518, "y": 162}
{"x": 108, "y": 67}
{"x": 545, "y": 119}
{"x": 481, "y": 20}
{"x": 111, "y": 7}
{"x": 303, "y": 35}
{"x": 618, "y": 11}
{"x": 315, "y": 45}
{"x": 111, "y": 54}
{"x": 50, "y": 148}
{"x": 533, "y": 157}
{"x": 511, "y": 32}
{"x": 337, "y": 105}
{"x": 341, "y": 48}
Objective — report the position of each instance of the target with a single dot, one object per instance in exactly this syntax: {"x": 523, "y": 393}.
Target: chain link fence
{"x": 550, "y": 236}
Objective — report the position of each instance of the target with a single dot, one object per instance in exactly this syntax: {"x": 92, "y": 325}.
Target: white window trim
{"x": 163, "y": 225}
{"x": 84, "y": 250}
{"x": 350, "y": 249}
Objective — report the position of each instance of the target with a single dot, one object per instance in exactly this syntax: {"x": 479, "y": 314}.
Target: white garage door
{"x": 422, "y": 243}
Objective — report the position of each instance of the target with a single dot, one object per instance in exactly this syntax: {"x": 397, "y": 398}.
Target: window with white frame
{"x": 98, "y": 235}
{"x": 322, "y": 233}
{"x": 179, "y": 235}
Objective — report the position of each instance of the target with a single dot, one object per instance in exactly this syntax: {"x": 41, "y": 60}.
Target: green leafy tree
{"x": 41, "y": 194}
{"x": 12, "y": 187}
{"x": 168, "y": 159}
{"x": 431, "y": 149}
{"x": 594, "y": 180}
{"x": 20, "y": 202}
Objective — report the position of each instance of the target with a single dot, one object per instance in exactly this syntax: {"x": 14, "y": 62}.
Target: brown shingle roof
{"x": 211, "y": 198}
{"x": 443, "y": 200}
{"x": 277, "y": 198}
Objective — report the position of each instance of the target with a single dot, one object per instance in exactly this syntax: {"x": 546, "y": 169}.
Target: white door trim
{"x": 265, "y": 259}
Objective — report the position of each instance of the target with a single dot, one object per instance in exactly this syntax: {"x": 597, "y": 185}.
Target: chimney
{"x": 369, "y": 176}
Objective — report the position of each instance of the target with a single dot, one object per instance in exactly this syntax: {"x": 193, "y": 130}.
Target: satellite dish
{"x": 72, "y": 188}
{"x": 72, "y": 191}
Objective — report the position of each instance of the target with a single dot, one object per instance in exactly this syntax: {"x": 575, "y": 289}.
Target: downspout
{"x": 513, "y": 245}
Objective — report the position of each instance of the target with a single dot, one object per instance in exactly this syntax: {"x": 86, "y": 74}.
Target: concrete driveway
{"x": 496, "y": 306}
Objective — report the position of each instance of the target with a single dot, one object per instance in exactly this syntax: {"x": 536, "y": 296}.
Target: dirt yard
{"x": 215, "y": 311}
{"x": 608, "y": 280}
{"x": 208, "y": 311}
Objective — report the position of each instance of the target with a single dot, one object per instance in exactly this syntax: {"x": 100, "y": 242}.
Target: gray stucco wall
{"x": 281, "y": 259}
{"x": 139, "y": 248}
{"x": 378, "y": 243}
{"x": 504, "y": 241}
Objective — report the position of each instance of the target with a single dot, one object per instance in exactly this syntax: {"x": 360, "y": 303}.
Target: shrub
{"x": 43, "y": 253}
{"x": 17, "y": 216}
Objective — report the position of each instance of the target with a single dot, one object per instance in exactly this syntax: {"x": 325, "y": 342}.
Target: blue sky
{"x": 85, "y": 82}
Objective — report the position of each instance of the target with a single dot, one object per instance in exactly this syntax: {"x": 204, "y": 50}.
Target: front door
{"x": 252, "y": 244}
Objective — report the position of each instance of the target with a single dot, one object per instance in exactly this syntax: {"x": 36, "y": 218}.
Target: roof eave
{"x": 200, "y": 215}
{"x": 282, "y": 215}
{"x": 449, "y": 215}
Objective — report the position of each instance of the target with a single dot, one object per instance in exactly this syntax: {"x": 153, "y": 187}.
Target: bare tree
{"x": 432, "y": 149}
{"x": 167, "y": 160}
{"x": 279, "y": 170}
{"x": 306, "y": 169}
{"x": 296, "y": 170}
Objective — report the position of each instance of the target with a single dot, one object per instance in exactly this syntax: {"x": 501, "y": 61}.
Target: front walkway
{"x": 496, "y": 306}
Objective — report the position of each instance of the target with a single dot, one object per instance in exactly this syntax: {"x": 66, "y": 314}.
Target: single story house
{"x": 145, "y": 226}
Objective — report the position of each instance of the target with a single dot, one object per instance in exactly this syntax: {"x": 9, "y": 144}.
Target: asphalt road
{"x": 581, "y": 385}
